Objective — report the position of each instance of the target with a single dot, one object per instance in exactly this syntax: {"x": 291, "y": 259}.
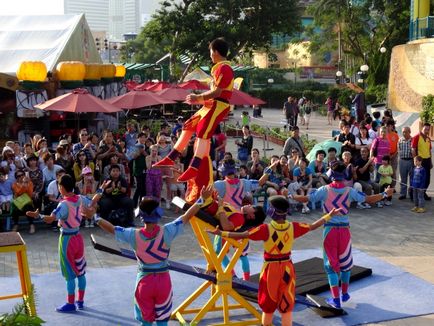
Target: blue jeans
{"x": 418, "y": 197}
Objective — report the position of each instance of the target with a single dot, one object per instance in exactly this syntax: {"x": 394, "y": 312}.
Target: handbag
{"x": 22, "y": 201}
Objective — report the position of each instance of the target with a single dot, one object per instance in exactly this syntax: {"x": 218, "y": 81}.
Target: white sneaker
{"x": 366, "y": 205}
{"x": 360, "y": 206}
{"x": 388, "y": 203}
{"x": 380, "y": 204}
{"x": 167, "y": 204}
{"x": 303, "y": 210}
{"x": 87, "y": 224}
{"x": 91, "y": 224}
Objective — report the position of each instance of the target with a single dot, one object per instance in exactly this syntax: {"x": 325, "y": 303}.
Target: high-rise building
{"x": 114, "y": 17}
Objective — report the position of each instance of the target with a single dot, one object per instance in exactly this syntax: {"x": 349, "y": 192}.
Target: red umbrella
{"x": 138, "y": 99}
{"x": 131, "y": 84}
{"x": 79, "y": 101}
{"x": 194, "y": 84}
{"x": 241, "y": 98}
{"x": 159, "y": 86}
{"x": 174, "y": 93}
{"x": 144, "y": 86}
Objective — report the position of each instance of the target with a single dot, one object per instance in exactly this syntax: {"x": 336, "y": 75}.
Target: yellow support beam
{"x": 222, "y": 290}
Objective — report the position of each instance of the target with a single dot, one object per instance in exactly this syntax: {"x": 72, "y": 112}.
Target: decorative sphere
{"x": 383, "y": 49}
{"x": 339, "y": 73}
{"x": 364, "y": 68}
{"x": 32, "y": 71}
{"x": 360, "y": 80}
{"x": 270, "y": 80}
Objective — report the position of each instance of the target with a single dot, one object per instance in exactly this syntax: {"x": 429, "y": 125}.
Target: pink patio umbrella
{"x": 79, "y": 101}
{"x": 194, "y": 84}
{"x": 138, "y": 99}
{"x": 174, "y": 93}
{"x": 242, "y": 98}
{"x": 159, "y": 86}
{"x": 144, "y": 86}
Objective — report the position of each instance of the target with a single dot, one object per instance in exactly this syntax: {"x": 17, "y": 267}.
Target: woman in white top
{"x": 363, "y": 139}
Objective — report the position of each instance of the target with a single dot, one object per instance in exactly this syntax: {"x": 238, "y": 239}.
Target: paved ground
{"x": 393, "y": 234}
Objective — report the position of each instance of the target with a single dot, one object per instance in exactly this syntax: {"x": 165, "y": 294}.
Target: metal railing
{"x": 422, "y": 28}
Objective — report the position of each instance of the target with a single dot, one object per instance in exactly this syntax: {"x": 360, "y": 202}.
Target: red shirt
{"x": 223, "y": 76}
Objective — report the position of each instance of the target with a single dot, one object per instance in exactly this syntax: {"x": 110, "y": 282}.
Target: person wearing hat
{"x": 151, "y": 245}
{"x": 277, "y": 280}
{"x": 87, "y": 187}
{"x": 337, "y": 235}
{"x": 84, "y": 144}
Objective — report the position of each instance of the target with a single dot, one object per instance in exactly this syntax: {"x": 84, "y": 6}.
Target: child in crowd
{"x": 243, "y": 172}
{"x": 151, "y": 245}
{"x": 245, "y": 118}
{"x": 385, "y": 170}
{"x": 417, "y": 183}
{"x": 87, "y": 187}
{"x": 276, "y": 289}
{"x": 6, "y": 193}
{"x": 154, "y": 181}
{"x": 71, "y": 244}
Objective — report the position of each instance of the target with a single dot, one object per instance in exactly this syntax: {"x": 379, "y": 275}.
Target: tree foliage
{"x": 365, "y": 26}
{"x": 187, "y": 26}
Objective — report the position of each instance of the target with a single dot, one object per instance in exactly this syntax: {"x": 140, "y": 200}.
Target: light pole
{"x": 270, "y": 82}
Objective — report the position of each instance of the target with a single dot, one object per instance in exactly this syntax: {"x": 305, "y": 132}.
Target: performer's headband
{"x": 152, "y": 217}
{"x": 227, "y": 170}
{"x": 276, "y": 214}
{"x": 337, "y": 176}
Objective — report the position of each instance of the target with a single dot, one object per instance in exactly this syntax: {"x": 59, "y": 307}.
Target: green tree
{"x": 364, "y": 26}
{"x": 187, "y": 26}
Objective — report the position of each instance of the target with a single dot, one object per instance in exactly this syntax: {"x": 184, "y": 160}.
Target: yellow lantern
{"x": 108, "y": 72}
{"x": 92, "y": 76}
{"x": 70, "y": 70}
{"x": 34, "y": 71}
{"x": 120, "y": 71}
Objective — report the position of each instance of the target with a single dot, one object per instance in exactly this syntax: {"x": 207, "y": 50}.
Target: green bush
{"x": 376, "y": 94}
{"x": 427, "y": 113}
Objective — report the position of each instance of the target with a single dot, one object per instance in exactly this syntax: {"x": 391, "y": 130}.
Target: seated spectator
{"x": 37, "y": 178}
{"x": 256, "y": 166}
{"x": 81, "y": 161}
{"x": 350, "y": 172}
{"x": 385, "y": 171}
{"x": 53, "y": 196}
{"x": 50, "y": 170}
{"x": 331, "y": 157}
{"x": 273, "y": 179}
{"x": 23, "y": 192}
{"x": 363, "y": 140}
{"x": 28, "y": 151}
{"x": 347, "y": 139}
{"x": 8, "y": 162}
{"x": 107, "y": 149}
{"x": 6, "y": 193}
{"x": 243, "y": 172}
{"x": 115, "y": 198}
{"x": 303, "y": 175}
{"x": 319, "y": 170}
{"x": 294, "y": 160}
{"x": 114, "y": 159}
{"x": 87, "y": 187}
{"x": 364, "y": 167}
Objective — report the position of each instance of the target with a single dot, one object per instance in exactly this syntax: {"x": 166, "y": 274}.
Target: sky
{"x": 31, "y": 7}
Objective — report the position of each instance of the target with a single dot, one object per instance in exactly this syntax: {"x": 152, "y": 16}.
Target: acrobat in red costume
{"x": 215, "y": 108}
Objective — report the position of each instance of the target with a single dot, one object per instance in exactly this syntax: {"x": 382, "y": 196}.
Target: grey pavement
{"x": 394, "y": 233}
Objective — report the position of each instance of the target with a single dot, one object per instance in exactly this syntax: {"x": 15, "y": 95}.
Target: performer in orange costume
{"x": 215, "y": 108}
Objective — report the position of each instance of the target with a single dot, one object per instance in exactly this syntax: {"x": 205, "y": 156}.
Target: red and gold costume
{"x": 203, "y": 123}
{"x": 277, "y": 280}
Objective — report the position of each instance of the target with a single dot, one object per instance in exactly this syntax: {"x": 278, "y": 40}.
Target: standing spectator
{"x": 245, "y": 146}
{"x": 380, "y": 147}
{"x": 405, "y": 160}
{"x": 294, "y": 142}
{"x": 337, "y": 110}
{"x": 376, "y": 123}
{"x": 245, "y": 118}
{"x": 139, "y": 172}
{"x": 220, "y": 141}
{"x": 164, "y": 144}
{"x": 307, "y": 112}
{"x": 347, "y": 139}
{"x": 85, "y": 144}
{"x": 154, "y": 181}
{"x": 421, "y": 146}
{"x": 418, "y": 183}
{"x": 63, "y": 156}
{"x": 393, "y": 139}
{"x": 8, "y": 162}
{"x": 130, "y": 137}
{"x": 37, "y": 178}
{"x": 288, "y": 111}
{"x": 386, "y": 172}
{"x": 256, "y": 166}
{"x": 363, "y": 139}
{"x": 330, "y": 109}
{"x": 114, "y": 159}
{"x": 178, "y": 126}
{"x": 22, "y": 187}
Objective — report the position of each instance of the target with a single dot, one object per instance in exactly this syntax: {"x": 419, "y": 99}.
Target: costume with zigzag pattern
{"x": 153, "y": 294}
{"x": 338, "y": 259}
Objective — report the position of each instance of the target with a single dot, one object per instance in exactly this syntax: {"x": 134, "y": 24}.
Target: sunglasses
{"x": 20, "y": 175}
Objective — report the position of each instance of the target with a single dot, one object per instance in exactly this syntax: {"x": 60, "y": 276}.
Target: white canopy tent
{"x": 51, "y": 39}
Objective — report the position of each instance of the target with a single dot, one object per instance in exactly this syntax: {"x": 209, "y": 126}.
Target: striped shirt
{"x": 404, "y": 148}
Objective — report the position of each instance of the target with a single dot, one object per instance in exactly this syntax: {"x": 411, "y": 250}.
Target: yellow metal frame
{"x": 222, "y": 289}
{"x": 23, "y": 271}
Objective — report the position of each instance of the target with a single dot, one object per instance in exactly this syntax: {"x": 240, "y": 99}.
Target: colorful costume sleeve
{"x": 172, "y": 230}
{"x": 259, "y": 233}
{"x": 357, "y": 196}
{"x": 61, "y": 212}
{"x": 220, "y": 187}
{"x": 126, "y": 235}
{"x": 300, "y": 229}
{"x": 319, "y": 194}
